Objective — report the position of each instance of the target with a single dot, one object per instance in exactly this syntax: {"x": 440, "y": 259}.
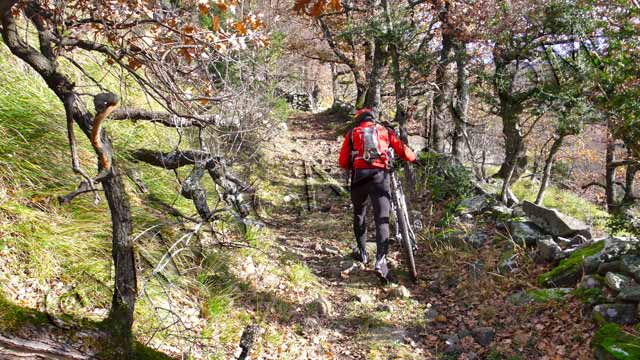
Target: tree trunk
{"x": 515, "y": 152}
{"x": 610, "y": 173}
{"x": 462, "y": 102}
{"x": 376, "y": 80}
{"x": 442, "y": 98}
{"x": 630, "y": 180}
{"x": 124, "y": 296}
{"x": 555, "y": 147}
{"x": 334, "y": 85}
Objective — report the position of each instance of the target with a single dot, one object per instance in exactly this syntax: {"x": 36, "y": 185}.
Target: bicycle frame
{"x": 399, "y": 205}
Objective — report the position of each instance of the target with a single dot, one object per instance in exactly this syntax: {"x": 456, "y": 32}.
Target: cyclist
{"x": 364, "y": 152}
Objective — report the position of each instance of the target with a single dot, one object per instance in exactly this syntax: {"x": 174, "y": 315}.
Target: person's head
{"x": 364, "y": 114}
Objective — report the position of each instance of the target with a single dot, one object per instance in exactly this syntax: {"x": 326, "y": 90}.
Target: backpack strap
{"x": 353, "y": 153}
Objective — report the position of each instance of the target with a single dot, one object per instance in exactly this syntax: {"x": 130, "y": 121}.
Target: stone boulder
{"x": 548, "y": 250}
{"x": 624, "y": 314}
{"x": 630, "y": 265}
{"x": 475, "y": 204}
{"x": 554, "y": 222}
{"x": 629, "y": 293}
{"x": 617, "y": 282}
{"x": 525, "y": 233}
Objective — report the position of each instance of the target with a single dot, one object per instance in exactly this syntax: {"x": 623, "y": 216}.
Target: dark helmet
{"x": 364, "y": 114}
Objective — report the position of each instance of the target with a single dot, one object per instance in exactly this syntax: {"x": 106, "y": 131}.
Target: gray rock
{"x": 364, "y": 298}
{"x": 431, "y": 315}
{"x": 501, "y": 211}
{"x": 493, "y": 187}
{"x": 399, "y": 292}
{"x": 608, "y": 267}
{"x": 385, "y": 307}
{"x": 629, "y": 293}
{"x": 563, "y": 242}
{"x": 483, "y": 335}
{"x": 630, "y": 265}
{"x": 418, "y": 143}
{"x": 322, "y": 306}
{"x": 590, "y": 282}
{"x": 475, "y": 204}
{"x": 526, "y": 233}
{"x": 624, "y": 314}
{"x": 554, "y": 222}
{"x": 617, "y": 282}
{"x": 452, "y": 345}
{"x": 477, "y": 239}
{"x": 616, "y": 247}
{"x": 548, "y": 250}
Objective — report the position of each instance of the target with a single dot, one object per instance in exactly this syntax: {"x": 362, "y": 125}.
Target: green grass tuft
{"x": 565, "y": 201}
{"x": 611, "y": 340}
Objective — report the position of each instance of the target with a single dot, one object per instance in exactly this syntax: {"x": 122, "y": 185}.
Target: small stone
{"x": 624, "y": 314}
{"x": 617, "y": 282}
{"x": 399, "y": 292}
{"x": 431, "y": 315}
{"x": 452, "y": 344}
{"x": 331, "y": 250}
{"x": 364, "y": 298}
{"x": 385, "y": 308}
{"x": 590, "y": 282}
{"x": 477, "y": 239}
{"x": 483, "y": 335}
{"x": 322, "y": 306}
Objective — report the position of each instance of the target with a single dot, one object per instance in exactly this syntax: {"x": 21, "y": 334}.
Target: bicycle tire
{"x": 407, "y": 244}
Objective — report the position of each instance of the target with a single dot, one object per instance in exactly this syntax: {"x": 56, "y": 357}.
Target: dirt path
{"x": 365, "y": 319}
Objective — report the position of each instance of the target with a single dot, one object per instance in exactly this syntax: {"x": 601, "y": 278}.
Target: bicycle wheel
{"x": 407, "y": 244}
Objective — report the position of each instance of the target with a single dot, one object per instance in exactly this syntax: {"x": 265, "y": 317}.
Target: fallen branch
{"x": 31, "y": 349}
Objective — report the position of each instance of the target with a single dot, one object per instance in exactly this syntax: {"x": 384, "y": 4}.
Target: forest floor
{"x": 458, "y": 308}
{"x": 312, "y": 301}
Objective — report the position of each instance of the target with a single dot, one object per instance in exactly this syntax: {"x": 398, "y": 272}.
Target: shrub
{"x": 444, "y": 178}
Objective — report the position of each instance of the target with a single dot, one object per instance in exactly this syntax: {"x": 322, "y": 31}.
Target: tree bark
{"x": 120, "y": 317}
{"x": 462, "y": 102}
{"x": 630, "y": 180}
{"x": 555, "y": 147}
{"x": 510, "y": 108}
{"x": 610, "y": 172}
{"x": 373, "y": 97}
{"x": 442, "y": 99}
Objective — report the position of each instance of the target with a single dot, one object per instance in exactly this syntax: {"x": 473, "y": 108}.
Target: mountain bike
{"x": 402, "y": 225}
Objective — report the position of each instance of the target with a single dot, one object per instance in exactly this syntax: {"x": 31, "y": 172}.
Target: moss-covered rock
{"x": 569, "y": 271}
{"x": 611, "y": 342}
{"x": 538, "y": 296}
{"x": 589, "y": 296}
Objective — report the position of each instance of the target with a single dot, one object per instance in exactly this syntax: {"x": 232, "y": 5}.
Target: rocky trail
{"x": 461, "y": 307}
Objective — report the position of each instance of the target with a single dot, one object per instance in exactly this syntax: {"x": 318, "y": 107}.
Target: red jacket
{"x": 387, "y": 137}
